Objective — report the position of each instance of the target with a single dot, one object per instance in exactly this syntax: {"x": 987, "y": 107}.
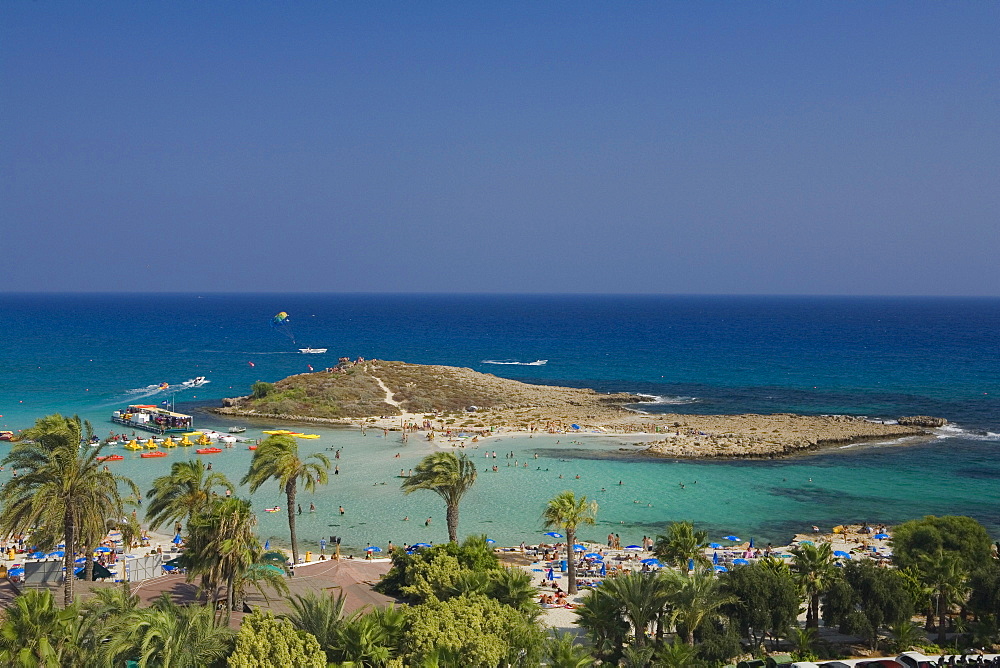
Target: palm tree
{"x": 61, "y": 489}
{"x": 567, "y": 512}
{"x": 167, "y": 635}
{"x": 184, "y": 492}
{"x": 34, "y": 631}
{"x": 319, "y": 614}
{"x": 449, "y": 476}
{"x": 943, "y": 574}
{"x": 813, "y": 564}
{"x": 601, "y": 616}
{"x": 681, "y": 545}
{"x": 562, "y": 652}
{"x": 277, "y": 458}
{"x": 642, "y": 599}
{"x": 223, "y": 548}
{"x": 697, "y": 600}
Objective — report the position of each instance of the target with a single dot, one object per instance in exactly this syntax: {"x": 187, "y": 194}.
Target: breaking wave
{"x": 535, "y": 363}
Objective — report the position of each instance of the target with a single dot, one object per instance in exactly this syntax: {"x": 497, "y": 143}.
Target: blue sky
{"x": 661, "y": 147}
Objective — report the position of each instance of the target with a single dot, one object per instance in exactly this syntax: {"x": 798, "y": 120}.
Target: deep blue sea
{"x": 877, "y": 357}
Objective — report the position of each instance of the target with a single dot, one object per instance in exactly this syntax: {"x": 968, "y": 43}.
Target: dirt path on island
{"x": 388, "y": 394}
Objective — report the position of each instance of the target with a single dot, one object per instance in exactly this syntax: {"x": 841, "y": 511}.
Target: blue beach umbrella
{"x": 575, "y": 426}
{"x": 373, "y": 548}
{"x": 740, "y": 562}
{"x": 715, "y": 557}
{"x": 178, "y": 540}
{"x": 102, "y": 549}
{"x": 490, "y": 541}
{"x": 881, "y": 536}
{"x": 554, "y": 534}
{"x": 721, "y": 569}
{"x": 57, "y": 553}
{"x": 267, "y": 544}
{"x": 733, "y": 538}
{"x": 36, "y": 555}
{"x": 594, "y": 556}
{"x": 841, "y": 553}
{"x": 579, "y": 548}
{"x": 421, "y": 545}
{"x": 633, "y": 547}
{"x": 751, "y": 542}
{"x": 715, "y": 546}
{"x": 651, "y": 561}
{"x": 80, "y": 560}
{"x": 806, "y": 542}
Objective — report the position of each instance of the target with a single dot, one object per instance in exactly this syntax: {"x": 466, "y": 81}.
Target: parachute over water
{"x": 283, "y": 324}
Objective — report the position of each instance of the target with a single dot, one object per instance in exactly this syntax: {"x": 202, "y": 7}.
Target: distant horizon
{"x": 69, "y": 293}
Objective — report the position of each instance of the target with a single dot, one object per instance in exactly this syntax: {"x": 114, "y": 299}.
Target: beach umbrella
{"x": 604, "y": 569}
{"x": 651, "y": 561}
{"x": 57, "y": 553}
{"x": 721, "y": 569}
{"x": 177, "y": 540}
{"x": 16, "y": 572}
{"x": 579, "y": 548}
{"x": 806, "y": 542}
{"x": 267, "y": 544}
{"x": 715, "y": 557}
{"x": 733, "y": 538}
{"x": 594, "y": 556}
{"x": 740, "y": 562}
{"x": 490, "y": 541}
{"x": 751, "y": 541}
{"x": 80, "y": 560}
{"x": 881, "y": 536}
{"x": 421, "y": 545}
{"x": 373, "y": 548}
{"x": 102, "y": 549}
{"x": 633, "y": 547}
{"x": 715, "y": 546}
{"x": 36, "y": 555}
{"x": 554, "y": 534}
{"x": 842, "y": 554}
{"x": 575, "y": 426}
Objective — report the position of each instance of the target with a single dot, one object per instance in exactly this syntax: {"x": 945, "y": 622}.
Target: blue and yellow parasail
{"x": 283, "y": 324}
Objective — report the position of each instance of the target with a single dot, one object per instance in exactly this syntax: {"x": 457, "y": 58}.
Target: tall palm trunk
{"x": 812, "y": 616}
{"x": 451, "y": 518}
{"x": 942, "y": 620}
{"x": 570, "y": 561}
{"x": 88, "y": 572}
{"x": 69, "y": 537}
{"x": 290, "y": 490}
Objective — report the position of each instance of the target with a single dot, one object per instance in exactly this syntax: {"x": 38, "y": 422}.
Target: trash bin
{"x": 309, "y": 556}
{"x": 562, "y": 566}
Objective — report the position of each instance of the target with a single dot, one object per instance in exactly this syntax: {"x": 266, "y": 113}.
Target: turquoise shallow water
{"x": 883, "y": 358}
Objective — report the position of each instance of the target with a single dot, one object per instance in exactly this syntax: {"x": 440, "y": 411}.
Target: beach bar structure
{"x": 153, "y": 418}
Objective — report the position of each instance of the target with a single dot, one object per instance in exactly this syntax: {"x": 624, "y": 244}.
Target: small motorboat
{"x": 111, "y": 458}
{"x": 195, "y": 382}
{"x": 208, "y": 451}
{"x": 312, "y": 351}
{"x": 155, "y": 453}
{"x": 272, "y": 510}
{"x": 236, "y": 430}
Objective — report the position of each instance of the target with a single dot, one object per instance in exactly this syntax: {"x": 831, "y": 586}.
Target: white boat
{"x": 195, "y": 382}
{"x": 312, "y": 350}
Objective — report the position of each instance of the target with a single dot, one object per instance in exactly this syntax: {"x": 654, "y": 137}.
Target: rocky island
{"x": 415, "y": 397}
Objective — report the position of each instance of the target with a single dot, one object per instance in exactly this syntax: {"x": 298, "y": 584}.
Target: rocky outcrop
{"x": 771, "y": 436}
{"x": 922, "y": 421}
